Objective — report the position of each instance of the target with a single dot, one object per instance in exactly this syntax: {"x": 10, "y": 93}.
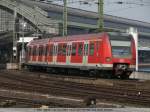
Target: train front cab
{"x": 122, "y": 54}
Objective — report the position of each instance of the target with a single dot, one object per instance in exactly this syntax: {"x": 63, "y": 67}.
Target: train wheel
{"x": 73, "y": 72}
{"x": 53, "y": 70}
{"x": 65, "y": 71}
{"x": 57, "y": 71}
{"x": 124, "y": 76}
{"x": 49, "y": 70}
{"x": 109, "y": 75}
{"x": 92, "y": 73}
{"x": 30, "y": 68}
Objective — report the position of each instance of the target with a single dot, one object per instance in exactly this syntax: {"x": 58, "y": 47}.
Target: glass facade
{"x": 6, "y": 20}
{"x": 144, "y": 56}
{"x": 7, "y": 23}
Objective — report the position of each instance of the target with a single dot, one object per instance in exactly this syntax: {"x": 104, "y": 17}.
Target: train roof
{"x": 74, "y": 38}
{"x": 67, "y": 38}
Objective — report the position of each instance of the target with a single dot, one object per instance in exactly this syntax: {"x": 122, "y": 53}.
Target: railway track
{"x": 63, "y": 88}
{"x": 35, "y": 101}
{"x": 126, "y": 84}
{"x": 26, "y": 101}
{"x": 46, "y": 82}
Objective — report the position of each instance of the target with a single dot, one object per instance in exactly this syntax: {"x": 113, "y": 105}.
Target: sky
{"x": 131, "y": 9}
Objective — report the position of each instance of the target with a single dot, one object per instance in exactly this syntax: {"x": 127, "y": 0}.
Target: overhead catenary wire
{"x": 127, "y": 4}
{"x": 80, "y": 3}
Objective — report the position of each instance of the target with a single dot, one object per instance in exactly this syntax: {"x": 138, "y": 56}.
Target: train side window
{"x": 85, "y": 49}
{"x": 51, "y": 50}
{"x": 56, "y": 50}
{"x": 64, "y": 49}
{"x": 68, "y": 50}
{"x": 80, "y": 49}
{"x": 60, "y": 49}
{"x": 46, "y": 49}
{"x": 29, "y": 51}
{"x": 40, "y": 50}
{"x": 74, "y": 47}
{"x": 34, "y": 51}
{"x": 37, "y": 51}
{"x": 97, "y": 45}
{"x": 91, "y": 51}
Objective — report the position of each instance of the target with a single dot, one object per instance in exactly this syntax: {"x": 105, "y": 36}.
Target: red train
{"x": 111, "y": 54}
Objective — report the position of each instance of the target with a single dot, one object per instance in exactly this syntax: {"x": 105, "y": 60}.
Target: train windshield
{"x": 121, "y": 46}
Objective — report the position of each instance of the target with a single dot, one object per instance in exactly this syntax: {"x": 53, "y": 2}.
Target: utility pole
{"x": 23, "y": 43}
{"x": 100, "y": 15}
{"x": 65, "y": 18}
{"x": 14, "y": 56}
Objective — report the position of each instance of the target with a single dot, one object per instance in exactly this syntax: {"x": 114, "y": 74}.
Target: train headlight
{"x": 108, "y": 59}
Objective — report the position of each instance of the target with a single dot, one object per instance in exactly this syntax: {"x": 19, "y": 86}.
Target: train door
{"x": 55, "y": 52}
{"x": 77, "y": 52}
{"x": 98, "y": 50}
{"x": 68, "y": 54}
{"x": 40, "y": 53}
{"x": 46, "y": 53}
{"x": 29, "y": 53}
{"x": 61, "y": 56}
{"x": 74, "y": 52}
{"x": 37, "y": 52}
{"x": 64, "y": 52}
{"x": 50, "y": 53}
{"x": 34, "y": 54}
{"x": 43, "y": 55}
{"x": 79, "y": 56}
{"x": 94, "y": 52}
{"x": 85, "y": 53}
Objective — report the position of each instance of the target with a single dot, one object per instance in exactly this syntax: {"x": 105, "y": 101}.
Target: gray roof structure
{"x": 88, "y": 19}
{"x": 79, "y": 21}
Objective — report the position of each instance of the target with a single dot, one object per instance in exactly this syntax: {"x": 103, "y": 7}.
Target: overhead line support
{"x": 65, "y": 18}
{"x": 100, "y": 15}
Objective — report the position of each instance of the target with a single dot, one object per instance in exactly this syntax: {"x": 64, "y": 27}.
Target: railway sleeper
{"x": 7, "y": 103}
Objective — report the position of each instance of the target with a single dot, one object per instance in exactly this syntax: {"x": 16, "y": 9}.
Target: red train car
{"x": 96, "y": 53}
